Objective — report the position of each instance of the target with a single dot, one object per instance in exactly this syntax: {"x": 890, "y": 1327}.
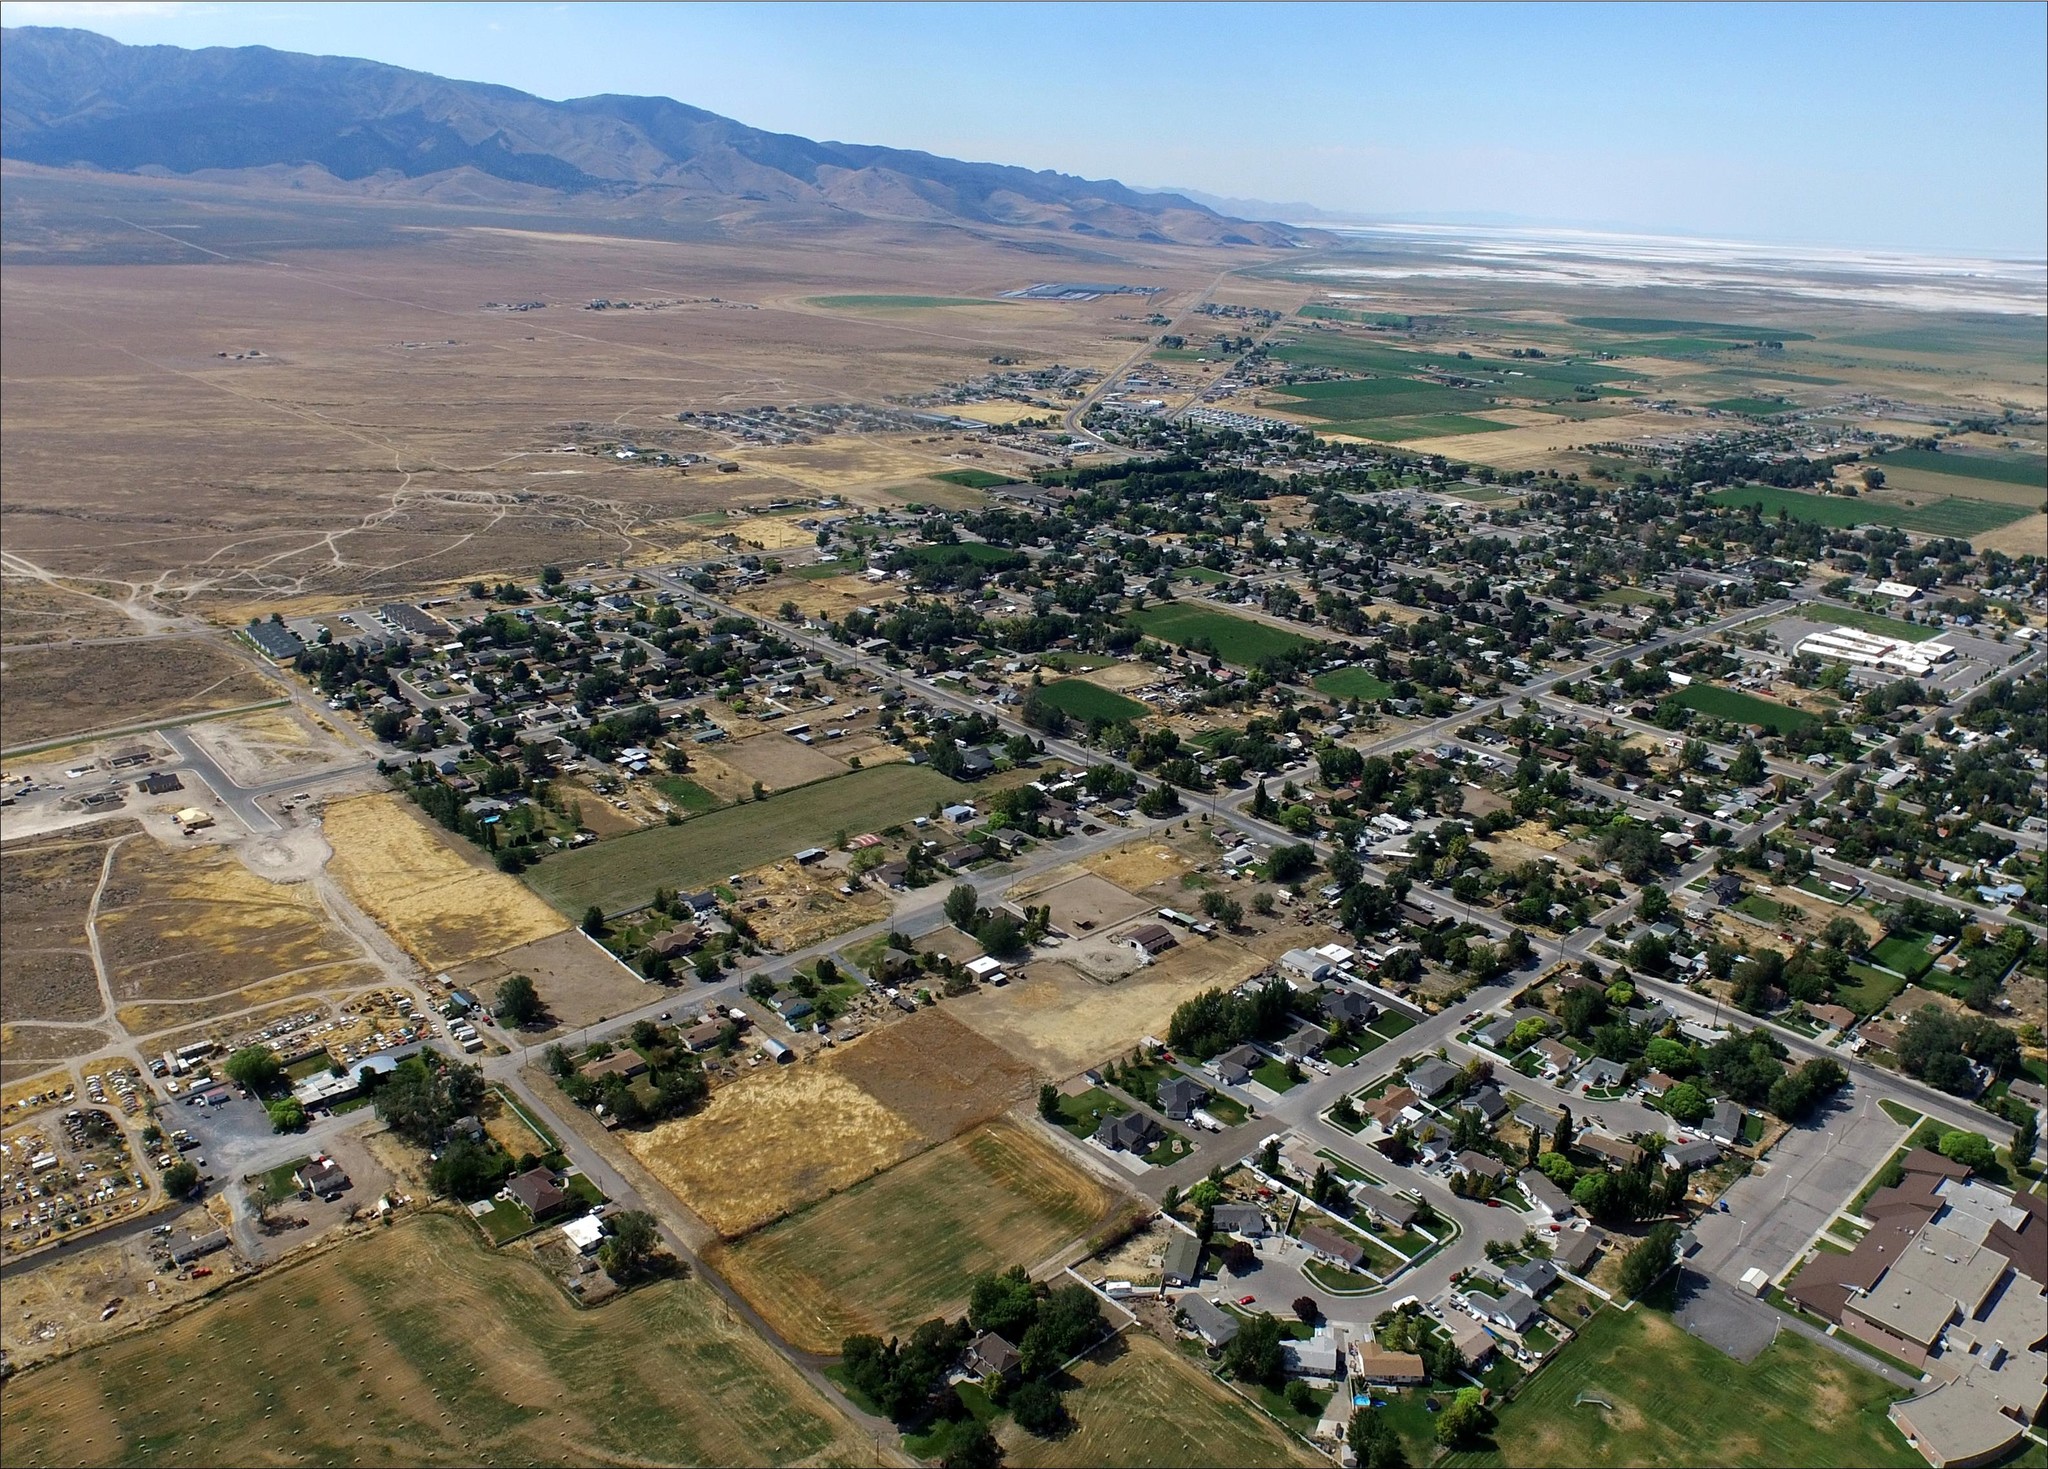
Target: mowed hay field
{"x": 418, "y": 1346}
{"x": 766, "y": 1146}
{"x": 905, "y": 1246}
{"x": 1236, "y": 640}
{"x": 1135, "y": 1403}
{"x": 1677, "y": 1400}
{"x": 443, "y": 907}
{"x": 54, "y": 691}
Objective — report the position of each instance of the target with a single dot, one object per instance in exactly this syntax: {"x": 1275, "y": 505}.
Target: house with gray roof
{"x": 1725, "y": 1126}
{"x": 1531, "y": 1277}
{"x": 1215, "y": 1326}
{"x": 1432, "y": 1077}
{"x": 1180, "y": 1095}
{"x": 1183, "y": 1262}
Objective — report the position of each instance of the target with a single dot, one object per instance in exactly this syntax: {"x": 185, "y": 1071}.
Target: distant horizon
{"x": 1694, "y": 121}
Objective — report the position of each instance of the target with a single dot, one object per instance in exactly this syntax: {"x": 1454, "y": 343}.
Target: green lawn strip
{"x": 1732, "y": 704}
{"x": 1903, "y": 954}
{"x": 1903, "y": 1115}
{"x": 622, "y": 873}
{"x": 1276, "y": 1404}
{"x": 1871, "y": 622}
{"x": 1087, "y": 701}
{"x": 579, "y": 1185}
{"x": 1869, "y": 990}
{"x": 1733, "y": 331}
{"x": 312, "y": 1065}
{"x": 1676, "y": 1400}
{"x": 1237, "y": 640}
{"x": 1344, "y": 1168}
{"x": 1340, "y": 1282}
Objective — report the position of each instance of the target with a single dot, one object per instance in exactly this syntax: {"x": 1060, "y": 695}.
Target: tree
{"x": 1254, "y": 1353}
{"x": 1464, "y": 1420}
{"x": 1037, "y": 1408}
{"x": 180, "y": 1179}
{"x": 466, "y": 1170}
{"x": 1970, "y": 1149}
{"x": 974, "y": 1449}
{"x": 267, "y": 1195}
{"x": 1647, "y": 1260}
{"x": 1687, "y": 1103}
{"x": 287, "y": 1114}
{"x": 1561, "y": 1139}
{"x": 254, "y": 1067}
{"x": 963, "y": 903}
{"x": 1306, "y": 1309}
{"x": 518, "y": 1001}
{"x": 1049, "y": 1102}
{"x": 424, "y": 1094}
{"x": 593, "y": 921}
{"x": 1005, "y": 1303}
{"x": 1300, "y": 1397}
{"x": 1375, "y": 1444}
{"x": 634, "y": 1242}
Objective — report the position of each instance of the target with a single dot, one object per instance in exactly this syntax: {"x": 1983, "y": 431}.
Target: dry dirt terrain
{"x": 46, "y": 888}
{"x": 61, "y": 690}
{"x": 783, "y": 1137}
{"x": 577, "y": 980}
{"x": 443, "y": 907}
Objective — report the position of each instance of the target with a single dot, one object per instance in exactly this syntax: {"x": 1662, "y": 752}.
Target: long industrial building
{"x": 1868, "y": 650}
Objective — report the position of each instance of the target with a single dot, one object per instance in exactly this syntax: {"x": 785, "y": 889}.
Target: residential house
{"x": 1494, "y": 1035}
{"x": 1433, "y": 1077}
{"x": 1179, "y": 1096}
{"x": 537, "y": 1192}
{"x": 1575, "y": 1250}
{"x": 1601, "y": 1074}
{"x": 322, "y": 1176}
{"x": 1487, "y": 1101}
{"x": 1391, "y": 1369}
{"x": 1215, "y": 1326}
{"x": 988, "y": 1355}
{"x": 1306, "y": 1043}
{"x": 627, "y": 1064}
{"x": 1513, "y": 1310}
{"x": 1234, "y": 1067}
{"x": 1322, "y": 1355}
{"x": 1557, "y": 1058}
{"x": 1701, "y": 1154}
{"x": 1246, "y": 1221}
{"x": 1133, "y": 1133}
{"x": 1352, "y": 1008}
{"x": 1614, "y": 1151}
{"x": 1478, "y": 1165}
{"x": 1182, "y": 1265}
{"x": 1546, "y": 1195}
{"x": 1725, "y": 1126}
{"x": 1390, "y": 1209}
{"x": 1387, "y": 1108}
{"x": 584, "y": 1234}
{"x": 1333, "y": 1247}
{"x": 1471, "y": 1339}
{"x": 1538, "y": 1119}
{"x": 1531, "y": 1277}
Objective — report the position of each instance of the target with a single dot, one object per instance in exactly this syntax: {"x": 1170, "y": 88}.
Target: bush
{"x": 1969, "y": 1149}
{"x": 1038, "y": 1409}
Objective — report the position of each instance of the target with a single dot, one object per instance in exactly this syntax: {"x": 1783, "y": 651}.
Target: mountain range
{"x": 73, "y": 99}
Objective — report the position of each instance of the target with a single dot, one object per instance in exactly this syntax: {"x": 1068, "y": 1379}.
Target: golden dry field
{"x": 418, "y": 1345}
{"x": 443, "y": 907}
{"x": 991, "y": 1198}
{"x": 46, "y": 889}
{"x": 61, "y": 690}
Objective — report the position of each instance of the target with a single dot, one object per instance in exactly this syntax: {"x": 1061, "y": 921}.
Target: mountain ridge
{"x": 75, "y": 99}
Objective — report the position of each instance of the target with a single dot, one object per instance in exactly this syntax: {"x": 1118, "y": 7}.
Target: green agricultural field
{"x": 1675, "y": 1400}
{"x": 979, "y": 552}
{"x": 897, "y": 303}
{"x": 1653, "y": 325}
{"x": 1345, "y": 354}
{"x": 1236, "y": 640}
{"x": 974, "y": 479}
{"x": 623, "y": 872}
{"x": 1380, "y": 397}
{"x": 1872, "y": 622}
{"x": 1732, "y": 704}
{"x": 1353, "y": 683}
{"x": 1753, "y": 407}
{"x": 2019, "y": 469}
{"x": 1946, "y": 517}
{"x": 419, "y": 1345}
{"x": 1086, "y": 701}
{"x": 1363, "y": 318}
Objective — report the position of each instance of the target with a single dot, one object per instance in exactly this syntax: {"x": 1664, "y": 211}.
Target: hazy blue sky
{"x": 1899, "y": 126}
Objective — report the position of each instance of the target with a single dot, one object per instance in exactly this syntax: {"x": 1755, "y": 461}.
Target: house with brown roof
{"x": 1333, "y": 1247}
{"x": 627, "y": 1064}
{"x": 537, "y": 1192}
{"x": 1386, "y": 1110}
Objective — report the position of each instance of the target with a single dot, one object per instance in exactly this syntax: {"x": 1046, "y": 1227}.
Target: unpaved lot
{"x": 578, "y": 981}
{"x": 54, "y": 691}
{"x": 46, "y": 968}
{"x": 445, "y": 907}
{"x": 779, "y": 762}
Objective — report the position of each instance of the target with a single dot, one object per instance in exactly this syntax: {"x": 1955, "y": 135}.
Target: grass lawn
{"x": 1172, "y": 1148}
{"x": 1741, "y": 708}
{"x": 414, "y": 1345}
{"x": 504, "y": 1221}
{"x": 1677, "y": 1400}
{"x": 311, "y": 1065}
{"x": 1236, "y": 640}
{"x": 684, "y": 794}
{"x": 1273, "y": 1076}
{"x": 1226, "y": 1110}
{"x": 974, "y": 479}
{"x": 1391, "y": 1024}
{"x": 1904, "y": 1116}
{"x": 1352, "y": 683}
{"x": 1871, "y": 622}
{"x": 622, "y": 873}
{"x": 1906, "y": 953}
{"x": 1867, "y": 990}
{"x": 1082, "y": 1114}
{"x": 1087, "y": 701}
{"x": 981, "y": 553}
{"x": 280, "y": 1178}
{"x": 1626, "y": 597}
